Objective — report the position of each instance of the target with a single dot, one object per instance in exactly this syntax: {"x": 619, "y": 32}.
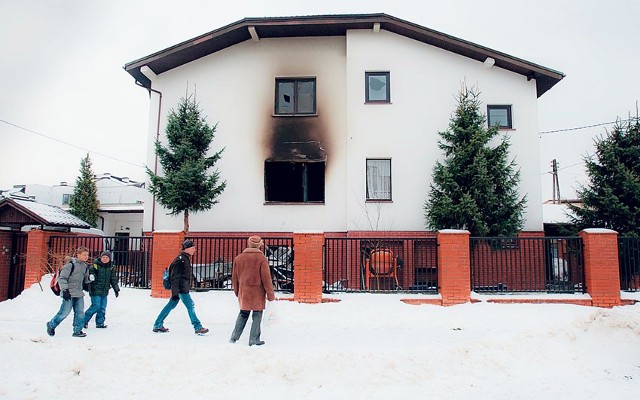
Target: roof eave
{"x": 330, "y": 25}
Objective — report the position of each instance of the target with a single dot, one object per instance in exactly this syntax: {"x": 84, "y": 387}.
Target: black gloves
{"x": 117, "y": 293}
{"x": 175, "y": 298}
{"x": 66, "y": 295}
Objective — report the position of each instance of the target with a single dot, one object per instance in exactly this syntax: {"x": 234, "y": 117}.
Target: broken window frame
{"x": 301, "y": 186}
{"x": 298, "y": 86}
{"x": 369, "y": 98}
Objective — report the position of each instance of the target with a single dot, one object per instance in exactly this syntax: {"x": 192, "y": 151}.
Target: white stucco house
{"x": 330, "y": 123}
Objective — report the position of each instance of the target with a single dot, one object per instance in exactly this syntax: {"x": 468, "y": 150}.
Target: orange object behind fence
{"x": 382, "y": 263}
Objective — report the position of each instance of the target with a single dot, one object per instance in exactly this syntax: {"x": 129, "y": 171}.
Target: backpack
{"x": 166, "y": 279}
{"x": 55, "y": 286}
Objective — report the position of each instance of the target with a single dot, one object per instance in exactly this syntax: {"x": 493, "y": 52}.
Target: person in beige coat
{"x": 251, "y": 279}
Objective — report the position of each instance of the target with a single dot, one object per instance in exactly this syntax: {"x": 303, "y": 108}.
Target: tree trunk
{"x": 186, "y": 222}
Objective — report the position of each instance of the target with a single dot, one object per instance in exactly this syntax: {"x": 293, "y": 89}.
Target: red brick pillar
{"x": 308, "y": 267}
{"x": 37, "y": 256}
{"x": 166, "y": 246}
{"x": 601, "y": 269}
{"x": 454, "y": 266}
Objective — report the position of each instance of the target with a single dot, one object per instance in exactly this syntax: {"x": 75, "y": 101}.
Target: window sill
{"x": 293, "y": 203}
{"x": 293, "y": 115}
{"x": 377, "y": 102}
{"x": 378, "y": 201}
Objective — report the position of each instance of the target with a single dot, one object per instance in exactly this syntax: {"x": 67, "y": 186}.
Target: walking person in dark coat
{"x": 180, "y": 273}
{"x": 251, "y": 280}
{"x": 104, "y": 278}
{"x": 71, "y": 279}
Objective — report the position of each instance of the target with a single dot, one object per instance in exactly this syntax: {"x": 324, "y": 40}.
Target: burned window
{"x": 295, "y": 96}
{"x": 294, "y": 182}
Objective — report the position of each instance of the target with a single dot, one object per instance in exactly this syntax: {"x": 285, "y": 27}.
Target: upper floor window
{"x": 378, "y": 179}
{"x": 66, "y": 198}
{"x": 499, "y": 115}
{"x": 377, "y": 87}
{"x": 295, "y": 96}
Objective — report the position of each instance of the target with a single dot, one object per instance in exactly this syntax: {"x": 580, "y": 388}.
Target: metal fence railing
{"x": 131, "y": 256}
{"x": 380, "y": 264}
{"x": 532, "y": 264}
{"x": 629, "y": 261}
{"x": 213, "y": 261}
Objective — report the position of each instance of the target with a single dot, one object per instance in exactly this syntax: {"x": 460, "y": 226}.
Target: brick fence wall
{"x": 602, "y": 279}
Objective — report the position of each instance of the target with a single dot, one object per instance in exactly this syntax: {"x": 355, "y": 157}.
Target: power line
{"x": 577, "y": 128}
{"x": 71, "y": 144}
{"x": 587, "y": 126}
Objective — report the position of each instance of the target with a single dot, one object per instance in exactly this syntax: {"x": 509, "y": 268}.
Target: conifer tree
{"x": 475, "y": 187}
{"x": 188, "y": 185}
{"x": 84, "y": 202}
{"x": 612, "y": 196}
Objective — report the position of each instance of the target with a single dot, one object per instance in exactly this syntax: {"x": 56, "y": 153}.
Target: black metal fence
{"x": 380, "y": 265}
{"x": 213, "y": 261}
{"x": 533, "y": 264}
{"x": 131, "y": 256}
{"x": 629, "y": 260}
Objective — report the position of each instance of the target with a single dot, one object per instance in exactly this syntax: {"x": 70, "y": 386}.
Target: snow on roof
{"x": 51, "y": 215}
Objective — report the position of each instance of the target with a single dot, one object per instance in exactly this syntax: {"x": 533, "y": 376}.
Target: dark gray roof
{"x": 19, "y": 212}
{"x": 330, "y": 25}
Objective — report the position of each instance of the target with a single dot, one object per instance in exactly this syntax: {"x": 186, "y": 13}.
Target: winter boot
{"x": 50, "y": 330}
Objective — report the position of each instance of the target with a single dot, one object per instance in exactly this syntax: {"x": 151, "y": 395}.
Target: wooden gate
{"x": 18, "y": 263}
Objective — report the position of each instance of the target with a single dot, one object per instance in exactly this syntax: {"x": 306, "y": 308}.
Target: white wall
{"x": 130, "y": 223}
{"x": 235, "y": 88}
{"x": 424, "y": 83}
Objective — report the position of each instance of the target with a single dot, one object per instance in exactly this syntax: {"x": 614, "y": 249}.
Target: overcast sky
{"x": 63, "y": 91}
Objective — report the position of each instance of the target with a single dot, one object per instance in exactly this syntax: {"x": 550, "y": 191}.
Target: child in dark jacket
{"x": 105, "y": 277}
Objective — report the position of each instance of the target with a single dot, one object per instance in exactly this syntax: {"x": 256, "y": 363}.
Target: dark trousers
{"x": 241, "y": 321}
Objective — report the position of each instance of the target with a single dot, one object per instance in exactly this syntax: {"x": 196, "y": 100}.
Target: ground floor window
{"x": 379, "y": 179}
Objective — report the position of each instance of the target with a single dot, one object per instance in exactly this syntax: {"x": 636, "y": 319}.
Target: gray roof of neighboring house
{"x": 19, "y": 212}
{"x": 330, "y": 25}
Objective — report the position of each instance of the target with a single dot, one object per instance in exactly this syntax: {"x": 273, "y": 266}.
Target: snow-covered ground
{"x": 365, "y": 346}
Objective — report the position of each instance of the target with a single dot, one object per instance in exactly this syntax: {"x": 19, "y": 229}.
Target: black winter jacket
{"x": 105, "y": 277}
{"x": 180, "y": 273}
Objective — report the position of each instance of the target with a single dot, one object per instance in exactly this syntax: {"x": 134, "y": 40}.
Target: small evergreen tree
{"x": 186, "y": 185}
{"x": 475, "y": 187}
{"x": 84, "y": 202}
{"x": 612, "y": 196}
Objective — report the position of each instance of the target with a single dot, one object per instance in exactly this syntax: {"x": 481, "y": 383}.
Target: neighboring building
{"x": 330, "y": 123}
{"x": 121, "y": 202}
{"x": 556, "y": 214}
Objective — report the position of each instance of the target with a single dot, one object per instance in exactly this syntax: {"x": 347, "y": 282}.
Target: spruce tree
{"x": 84, "y": 202}
{"x": 187, "y": 184}
{"x": 612, "y": 196}
{"x": 475, "y": 187}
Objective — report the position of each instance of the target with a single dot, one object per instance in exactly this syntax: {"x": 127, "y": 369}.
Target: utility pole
{"x": 556, "y": 182}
